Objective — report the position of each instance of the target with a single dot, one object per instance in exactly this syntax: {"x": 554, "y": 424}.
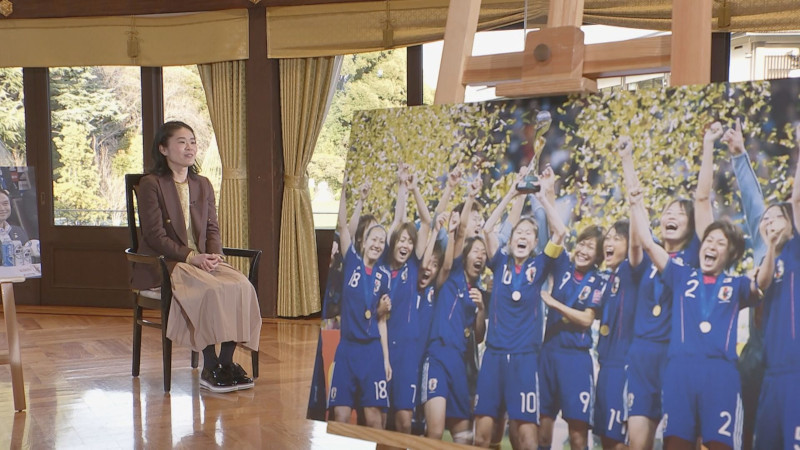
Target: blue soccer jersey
{"x": 515, "y": 313}
{"x": 361, "y": 291}
{"x": 705, "y": 311}
{"x": 403, "y": 322}
{"x": 426, "y": 301}
{"x": 653, "y": 316}
{"x": 580, "y": 294}
{"x": 455, "y": 312}
{"x": 782, "y": 310}
{"x": 616, "y": 320}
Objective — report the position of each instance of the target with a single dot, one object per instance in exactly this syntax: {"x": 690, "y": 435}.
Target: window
{"x": 12, "y": 118}
{"x": 97, "y": 138}
{"x": 185, "y": 100}
{"x": 366, "y": 81}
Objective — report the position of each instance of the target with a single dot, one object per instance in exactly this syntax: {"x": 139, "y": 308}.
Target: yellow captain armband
{"x": 553, "y": 250}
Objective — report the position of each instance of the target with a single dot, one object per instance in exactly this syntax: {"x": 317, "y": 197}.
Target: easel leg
{"x": 14, "y": 360}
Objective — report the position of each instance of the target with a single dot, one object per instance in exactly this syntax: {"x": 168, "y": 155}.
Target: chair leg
{"x": 254, "y": 356}
{"x": 166, "y": 345}
{"x": 137, "y": 340}
{"x": 195, "y": 359}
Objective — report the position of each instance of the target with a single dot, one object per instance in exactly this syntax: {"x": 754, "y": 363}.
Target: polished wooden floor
{"x": 80, "y": 393}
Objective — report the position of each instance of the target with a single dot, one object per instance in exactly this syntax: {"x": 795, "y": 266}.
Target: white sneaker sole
{"x": 242, "y": 387}
{"x": 217, "y": 389}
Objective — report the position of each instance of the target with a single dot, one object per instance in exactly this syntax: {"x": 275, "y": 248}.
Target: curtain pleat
{"x": 305, "y": 87}
{"x": 224, "y": 85}
{"x": 318, "y": 30}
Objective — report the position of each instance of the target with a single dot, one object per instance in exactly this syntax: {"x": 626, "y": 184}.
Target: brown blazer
{"x": 163, "y": 227}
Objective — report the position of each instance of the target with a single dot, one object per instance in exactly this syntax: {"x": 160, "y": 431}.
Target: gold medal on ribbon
{"x": 466, "y": 332}
{"x": 516, "y": 296}
{"x": 604, "y": 330}
{"x": 367, "y": 314}
{"x": 657, "y": 310}
{"x": 705, "y": 326}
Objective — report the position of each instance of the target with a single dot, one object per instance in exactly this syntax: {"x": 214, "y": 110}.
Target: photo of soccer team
{"x": 619, "y": 265}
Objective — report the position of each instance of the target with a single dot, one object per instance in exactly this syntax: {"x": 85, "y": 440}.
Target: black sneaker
{"x": 239, "y": 376}
{"x": 217, "y": 379}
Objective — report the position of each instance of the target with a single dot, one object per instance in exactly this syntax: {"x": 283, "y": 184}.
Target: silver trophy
{"x": 530, "y": 182}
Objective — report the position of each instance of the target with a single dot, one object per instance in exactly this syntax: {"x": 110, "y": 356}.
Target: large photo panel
{"x": 441, "y": 255}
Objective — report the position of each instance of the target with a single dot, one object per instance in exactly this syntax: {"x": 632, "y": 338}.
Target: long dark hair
{"x": 163, "y": 134}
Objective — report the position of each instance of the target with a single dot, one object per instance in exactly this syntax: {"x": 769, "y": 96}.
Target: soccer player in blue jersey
{"x": 778, "y": 417}
{"x": 407, "y": 335}
{"x": 702, "y": 390}
{"x": 647, "y": 355}
{"x": 616, "y": 334}
{"x": 458, "y": 315}
{"x": 508, "y": 380}
{"x": 566, "y": 370}
{"x": 361, "y": 364}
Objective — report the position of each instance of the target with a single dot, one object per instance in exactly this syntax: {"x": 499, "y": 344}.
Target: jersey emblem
{"x": 725, "y": 294}
{"x": 404, "y": 275}
{"x": 615, "y": 286}
{"x": 333, "y": 393}
{"x": 584, "y": 293}
{"x": 598, "y": 295}
{"x": 377, "y": 285}
{"x": 678, "y": 260}
{"x": 779, "y": 269}
{"x": 530, "y": 274}
{"x": 432, "y": 383}
{"x": 630, "y": 400}
{"x": 430, "y": 295}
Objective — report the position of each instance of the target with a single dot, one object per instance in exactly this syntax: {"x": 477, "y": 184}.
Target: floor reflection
{"x": 80, "y": 392}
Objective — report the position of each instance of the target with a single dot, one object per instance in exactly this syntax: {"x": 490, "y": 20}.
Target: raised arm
{"x": 639, "y": 227}
{"x": 749, "y": 187}
{"x": 449, "y": 253}
{"x": 466, "y": 214}
{"x": 546, "y": 196}
{"x": 631, "y": 181}
{"x": 453, "y": 178}
{"x": 424, "y": 215}
{"x": 494, "y": 218}
{"x": 796, "y": 184}
{"x": 363, "y": 190}
{"x": 402, "y": 199}
{"x": 341, "y": 223}
{"x": 703, "y": 214}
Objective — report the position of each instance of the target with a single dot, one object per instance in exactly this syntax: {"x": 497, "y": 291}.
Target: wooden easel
{"x": 12, "y": 356}
{"x": 555, "y": 61}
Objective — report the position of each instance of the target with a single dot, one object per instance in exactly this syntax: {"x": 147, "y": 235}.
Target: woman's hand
{"x": 388, "y": 368}
{"x": 455, "y": 221}
{"x": 713, "y": 133}
{"x": 384, "y": 305}
{"x": 477, "y": 298}
{"x": 733, "y": 139}
{"x": 625, "y": 147}
{"x": 454, "y": 177}
{"x": 547, "y": 183}
{"x": 205, "y": 261}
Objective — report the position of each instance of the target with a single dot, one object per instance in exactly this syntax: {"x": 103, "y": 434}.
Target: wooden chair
{"x": 161, "y": 299}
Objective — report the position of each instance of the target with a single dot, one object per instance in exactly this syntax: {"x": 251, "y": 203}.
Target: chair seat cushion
{"x": 154, "y": 293}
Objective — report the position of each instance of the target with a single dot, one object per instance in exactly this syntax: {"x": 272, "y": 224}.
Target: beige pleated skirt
{"x": 209, "y": 308}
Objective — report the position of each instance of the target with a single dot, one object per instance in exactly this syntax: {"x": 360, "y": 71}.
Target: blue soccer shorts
{"x": 508, "y": 382}
{"x": 359, "y": 379}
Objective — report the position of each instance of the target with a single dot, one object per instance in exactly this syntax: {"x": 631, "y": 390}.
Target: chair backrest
{"x": 131, "y": 183}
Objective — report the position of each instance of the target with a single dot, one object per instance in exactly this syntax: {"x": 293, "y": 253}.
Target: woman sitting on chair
{"x": 211, "y": 301}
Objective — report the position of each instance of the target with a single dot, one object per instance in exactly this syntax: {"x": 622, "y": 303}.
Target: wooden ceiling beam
{"x": 51, "y": 9}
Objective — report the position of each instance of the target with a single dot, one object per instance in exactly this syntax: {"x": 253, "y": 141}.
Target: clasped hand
{"x": 206, "y": 261}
